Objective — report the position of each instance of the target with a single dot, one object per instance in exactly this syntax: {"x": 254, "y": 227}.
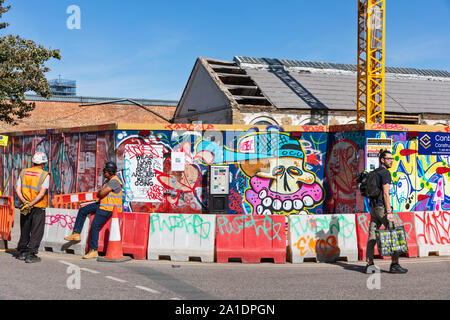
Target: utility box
{"x": 219, "y": 189}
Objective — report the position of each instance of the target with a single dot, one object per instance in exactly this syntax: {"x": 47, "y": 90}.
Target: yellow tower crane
{"x": 371, "y": 62}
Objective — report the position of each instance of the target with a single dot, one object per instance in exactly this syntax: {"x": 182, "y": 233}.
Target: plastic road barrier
{"x": 251, "y": 238}
{"x": 135, "y": 234}
{"x": 322, "y": 237}
{"x": 73, "y": 200}
{"x": 6, "y": 220}
{"x": 433, "y": 233}
{"x": 59, "y": 223}
{"x": 181, "y": 237}
{"x": 402, "y": 218}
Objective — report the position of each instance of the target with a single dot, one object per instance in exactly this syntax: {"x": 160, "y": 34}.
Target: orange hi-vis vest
{"x": 112, "y": 199}
{"x": 32, "y": 180}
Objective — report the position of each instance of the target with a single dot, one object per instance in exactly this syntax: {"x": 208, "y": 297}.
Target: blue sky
{"x": 147, "y": 49}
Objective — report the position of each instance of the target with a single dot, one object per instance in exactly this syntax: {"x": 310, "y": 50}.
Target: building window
{"x": 264, "y": 121}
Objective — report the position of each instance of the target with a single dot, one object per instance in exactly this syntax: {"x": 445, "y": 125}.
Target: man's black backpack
{"x": 369, "y": 184}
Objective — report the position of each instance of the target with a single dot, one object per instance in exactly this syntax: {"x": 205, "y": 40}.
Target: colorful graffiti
{"x": 419, "y": 182}
{"x": 345, "y": 159}
{"x": 272, "y": 172}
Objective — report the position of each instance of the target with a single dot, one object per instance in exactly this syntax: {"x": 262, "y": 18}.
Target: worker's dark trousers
{"x": 32, "y": 228}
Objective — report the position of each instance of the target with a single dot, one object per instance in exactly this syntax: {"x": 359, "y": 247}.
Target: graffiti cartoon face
{"x": 282, "y": 185}
{"x": 287, "y": 175}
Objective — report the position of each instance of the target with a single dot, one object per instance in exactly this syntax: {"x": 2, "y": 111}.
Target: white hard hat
{"x": 39, "y": 158}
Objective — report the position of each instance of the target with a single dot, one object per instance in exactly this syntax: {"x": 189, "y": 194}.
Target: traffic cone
{"x": 114, "y": 252}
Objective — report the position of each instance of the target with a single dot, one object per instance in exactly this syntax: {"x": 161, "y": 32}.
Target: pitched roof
{"x": 308, "y": 85}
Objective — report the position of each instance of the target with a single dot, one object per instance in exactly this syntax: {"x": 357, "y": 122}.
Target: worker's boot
{"x": 74, "y": 237}
{"x": 91, "y": 254}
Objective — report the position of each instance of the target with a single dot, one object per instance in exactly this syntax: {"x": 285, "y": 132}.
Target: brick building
{"x": 78, "y": 111}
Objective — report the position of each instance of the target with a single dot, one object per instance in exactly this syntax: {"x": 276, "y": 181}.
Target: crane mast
{"x": 371, "y": 62}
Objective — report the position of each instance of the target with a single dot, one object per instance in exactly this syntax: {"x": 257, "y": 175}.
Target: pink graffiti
{"x": 140, "y": 150}
{"x": 63, "y": 220}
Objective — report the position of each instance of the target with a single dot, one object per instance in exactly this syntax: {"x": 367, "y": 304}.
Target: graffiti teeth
{"x": 277, "y": 204}
{"x": 298, "y": 204}
{"x": 287, "y": 205}
{"x": 259, "y": 209}
{"x": 267, "y": 202}
{"x": 262, "y": 194}
{"x": 308, "y": 201}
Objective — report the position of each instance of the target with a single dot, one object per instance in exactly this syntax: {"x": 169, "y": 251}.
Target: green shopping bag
{"x": 391, "y": 240}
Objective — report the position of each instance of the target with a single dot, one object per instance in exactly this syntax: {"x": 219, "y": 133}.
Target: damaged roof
{"x": 298, "y": 84}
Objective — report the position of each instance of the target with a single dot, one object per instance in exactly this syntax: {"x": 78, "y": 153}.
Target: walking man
{"x": 31, "y": 189}
{"x": 110, "y": 195}
{"x": 381, "y": 212}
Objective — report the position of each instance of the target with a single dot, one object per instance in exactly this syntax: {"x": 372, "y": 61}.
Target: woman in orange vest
{"x": 31, "y": 189}
{"x": 110, "y": 195}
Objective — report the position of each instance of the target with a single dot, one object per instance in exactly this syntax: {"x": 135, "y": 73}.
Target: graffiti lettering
{"x": 435, "y": 227}
{"x": 190, "y": 222}
{"x": 63, "y": 220}
{"x": 327, "y": 247}
{"x": 335, "y": 224}
{"x": 189, "y": 126}
{"x": 388, "y": 126}
{"x": 236, "y": 224}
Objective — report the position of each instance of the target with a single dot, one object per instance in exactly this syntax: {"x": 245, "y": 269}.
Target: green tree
{"x": 21, "y": 69}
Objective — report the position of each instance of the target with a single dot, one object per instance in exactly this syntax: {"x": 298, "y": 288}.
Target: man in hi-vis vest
{"x": 31, "y": 189}
{"x": 110, "y": 195}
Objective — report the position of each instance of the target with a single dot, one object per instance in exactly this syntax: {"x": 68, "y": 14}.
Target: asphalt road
{"x": 68, "y": 277}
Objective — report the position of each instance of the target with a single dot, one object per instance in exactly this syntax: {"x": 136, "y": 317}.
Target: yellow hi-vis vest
{"x": 112, "y": 199}
{"x": 32, "y": 180}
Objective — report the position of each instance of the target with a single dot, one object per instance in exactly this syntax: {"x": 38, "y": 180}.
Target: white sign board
{"x": 141, "y": 161}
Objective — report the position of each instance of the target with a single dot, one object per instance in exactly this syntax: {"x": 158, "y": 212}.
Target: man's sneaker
{"x": 74, "y": 237}
{"x": 396, "y": 268}
{"x": 91, "y": 254}
{"x": 32, "y": 258}
{"x": 22, "y": 256}
{"x": 371, "y": 268}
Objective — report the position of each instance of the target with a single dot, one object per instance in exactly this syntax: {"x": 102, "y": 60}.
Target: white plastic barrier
{"x": 323, "y": 237}
{"x": 181, "y": 236}
{"x": 433, "y": 232}
{"x": 59, "y": 223}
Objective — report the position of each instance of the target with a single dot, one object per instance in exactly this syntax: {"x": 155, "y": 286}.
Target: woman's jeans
{"x": 101, "y": 216}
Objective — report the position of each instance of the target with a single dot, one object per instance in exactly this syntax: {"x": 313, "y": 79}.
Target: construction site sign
{"x": 3, "y": 141}
{"x": 373, "y": 148}
{"x": 434, "y": 143}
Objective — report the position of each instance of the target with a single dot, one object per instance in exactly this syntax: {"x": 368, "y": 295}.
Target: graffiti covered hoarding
{"x": 419, "y": 182}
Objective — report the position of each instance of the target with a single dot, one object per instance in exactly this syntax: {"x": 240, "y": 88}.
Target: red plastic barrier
{"x": 403, "y": 218}
{"x": 6, "y": 218}
{"x": 251, "y": 238}
{"x": 135, "y": 234}
{"x": 134, "y": 231}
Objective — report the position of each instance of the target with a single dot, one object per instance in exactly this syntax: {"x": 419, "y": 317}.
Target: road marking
{"x": 116, "y": 279}
{"x": 67, "y": 263}
{"x": 89, "y": 270}
{"x": 148, "y": 289}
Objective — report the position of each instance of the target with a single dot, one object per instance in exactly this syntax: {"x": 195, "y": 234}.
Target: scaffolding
{"x": 62, "y": 87}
